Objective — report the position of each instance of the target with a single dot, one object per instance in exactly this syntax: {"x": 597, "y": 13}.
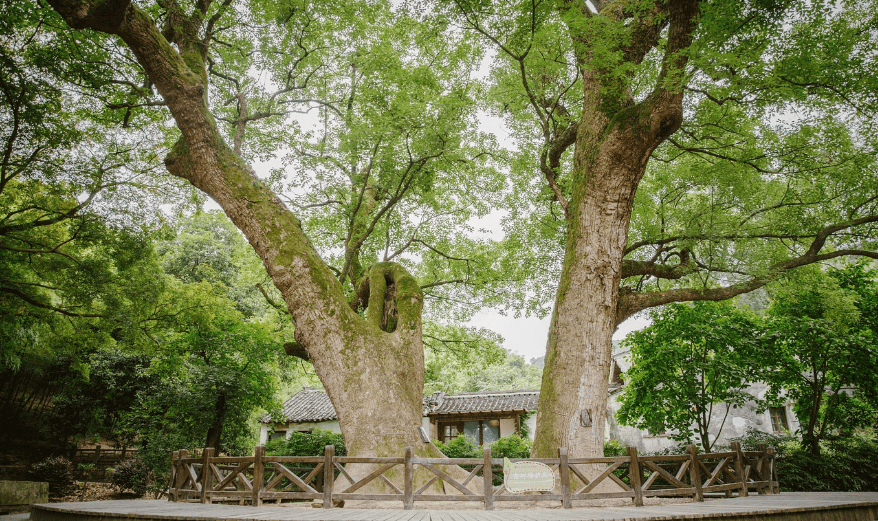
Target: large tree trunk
{"x": 573, "y": 397}
{"x": 373, "y": 376}
{"x": 611, "y": 151}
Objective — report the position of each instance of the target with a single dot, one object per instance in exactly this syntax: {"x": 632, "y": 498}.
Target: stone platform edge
{"x": 45, "y": 511}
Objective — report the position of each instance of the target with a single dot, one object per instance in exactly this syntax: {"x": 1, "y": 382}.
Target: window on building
{"x": 449, "y": 431}
{"x": 478, "y": 432}
{"x": 278, "y": 435}
{"x": 778, "y": 419}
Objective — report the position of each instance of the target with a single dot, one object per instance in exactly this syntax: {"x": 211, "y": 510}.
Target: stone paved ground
{"x": 830, "y": 505}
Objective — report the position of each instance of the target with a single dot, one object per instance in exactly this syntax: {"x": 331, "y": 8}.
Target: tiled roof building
{"x": 481, "y": 416}
{"x": 307, "y": 406}
{"x": 313, "y": 406}
{"x": 486, "y": 401}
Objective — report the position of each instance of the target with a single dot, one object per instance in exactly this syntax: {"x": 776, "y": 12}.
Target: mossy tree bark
{"x": 612, "y": 147}
{"x": 372, "y": 368}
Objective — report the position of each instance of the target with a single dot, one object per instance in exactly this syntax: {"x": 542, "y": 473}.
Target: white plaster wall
{"x": 507, "y": 427}
{"x": 532, "y": 426}
{"x": 327, "y": 426}
{"x": 429, "y": 427}
{"x": 739, "y": 420}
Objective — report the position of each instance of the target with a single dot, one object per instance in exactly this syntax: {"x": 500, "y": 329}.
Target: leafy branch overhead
{"x": 772, "y": 168}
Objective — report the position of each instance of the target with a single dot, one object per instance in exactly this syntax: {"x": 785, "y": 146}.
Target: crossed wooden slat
{"x": 721, "y": 469}
{"x": 231, "y": 477}
{"x": 375, "y": 474}
{"x": 448, "y": 479}
{"x": 191, "y": 476}
{"x": 658, "y": 471}
{"x": 369, "y": 478}
{"x": 607, "y": 473}
{"x": 283, "y": 472}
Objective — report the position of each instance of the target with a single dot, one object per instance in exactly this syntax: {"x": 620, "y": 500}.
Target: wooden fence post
{"x": 97, "y": 455}
{"x": 772, "y": 472}
{"x": 763, "y": 469}
{"x": 636, "y": 474}
{"x": 206, "y": 474}
{"x": 695, "y": 472}
{"x": 408, "y": 480}
{"x": 564, "y": 471}
{"x": 488, "y": 478}
{"x": 182, "y": 474}
{"x": 258, "y": 475}
{"x": 328, "y": 475}
{"x": 739, "y": 468}
{"x": 172, "y": 486}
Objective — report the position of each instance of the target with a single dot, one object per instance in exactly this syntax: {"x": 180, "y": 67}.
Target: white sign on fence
{"x": 527, "y": 476}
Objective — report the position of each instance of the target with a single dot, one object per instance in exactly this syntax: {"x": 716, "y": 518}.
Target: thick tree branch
{"x": 636, "y": 268}
{"x": 631, "y": 302}
{"x": 646, "y": 28}
{"x": 297, "y": 350}
{"x": 316, "y": 300}
{"x": 550, "y": 160}
{"x": 271, "y": 301}
{"x": 43, "y": 305}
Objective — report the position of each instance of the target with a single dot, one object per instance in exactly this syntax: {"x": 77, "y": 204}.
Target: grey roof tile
{"x": 306, "y": 406}
{"x": 488, "y": 401}
{"x": 313, "y": 405}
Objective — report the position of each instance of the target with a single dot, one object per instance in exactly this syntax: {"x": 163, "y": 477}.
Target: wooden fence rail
{"x": 101, "y": 456}
{"x": 209, "y": 478}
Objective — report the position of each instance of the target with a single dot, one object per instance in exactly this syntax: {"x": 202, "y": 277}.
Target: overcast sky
{"x": 527, "y": 335}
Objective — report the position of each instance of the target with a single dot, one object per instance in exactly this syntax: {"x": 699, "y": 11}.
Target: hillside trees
{"x": 675, "y": 151}
{"x": 192, "y": 370}
{"x": 363, "y": 336}
{"x": 95, "y": 327}
{"x": 461, "y": 360}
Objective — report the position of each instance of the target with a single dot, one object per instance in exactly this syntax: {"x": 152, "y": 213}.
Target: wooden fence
{"x": 258, "y": 478}
{"x": 101, "y": 457}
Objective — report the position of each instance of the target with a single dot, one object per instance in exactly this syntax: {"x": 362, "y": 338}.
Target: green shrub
{"x": 459, "y": 447}
{"x": 57, "y": 471}
{"x": 782, "y": 443}
{"x": 307, "y": 444}
{"x": 513, "y": 446}
{"x": 843, "y": 465}
{"x": 155, "y": 453}
{"x": 614, "y": 448}
{"x": 133, "y": 475}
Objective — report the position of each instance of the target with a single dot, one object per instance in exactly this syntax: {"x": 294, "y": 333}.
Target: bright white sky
{"x": 527, "y": 336}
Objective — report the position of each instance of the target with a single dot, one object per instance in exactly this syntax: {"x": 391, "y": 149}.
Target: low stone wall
{"x": 18, "y": 494}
